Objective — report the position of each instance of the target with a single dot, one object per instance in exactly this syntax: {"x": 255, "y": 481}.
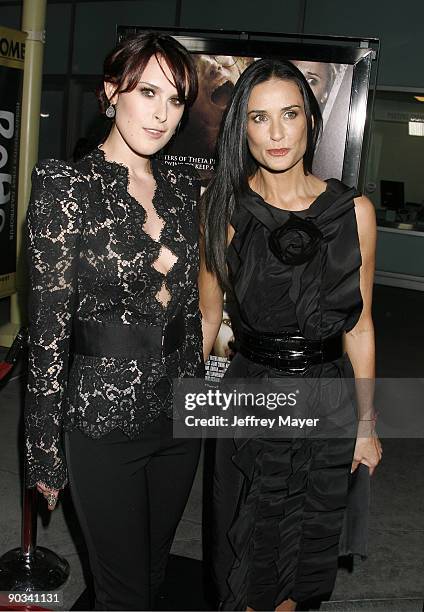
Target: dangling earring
{"x": 110, "y": 111}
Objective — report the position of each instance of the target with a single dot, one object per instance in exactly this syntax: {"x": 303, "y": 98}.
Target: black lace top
{"x": 91, "y": 258}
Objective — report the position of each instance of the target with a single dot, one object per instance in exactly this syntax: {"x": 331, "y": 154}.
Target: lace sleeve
{"x": 54, "y": 223}
{"x": 190, "y": 183}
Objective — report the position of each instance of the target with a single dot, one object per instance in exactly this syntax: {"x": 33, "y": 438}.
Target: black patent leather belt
{"x": 128, "y": 341}
{"x": 289, "y": 352}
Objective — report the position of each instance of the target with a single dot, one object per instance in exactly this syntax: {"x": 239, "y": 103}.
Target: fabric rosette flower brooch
{"x": 296, "y": 241}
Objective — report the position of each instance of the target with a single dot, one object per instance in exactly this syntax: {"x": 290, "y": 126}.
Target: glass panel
{"x": 398, "y": 27}
{"x": 92, "y": 127}
{"x": 58, "y": 19}
{"x": 89, "y": 113}
{"x": 394, "y": 171}
{"x": 4, "y": 311}
{"x": 274, "y": 16}
{"x": 96, "y": 27}
{"x": 10, "y": 17}
{"x": 400, "y": 253}
{"x": 51, "y": 125}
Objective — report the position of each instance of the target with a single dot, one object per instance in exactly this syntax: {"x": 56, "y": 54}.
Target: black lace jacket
{"x": 91, "y": 258}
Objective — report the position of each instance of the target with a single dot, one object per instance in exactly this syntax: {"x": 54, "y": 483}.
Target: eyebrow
{"x": 285, "y": 108}
{"x": 155, "y": 87}
{"x": 149, "y": 84}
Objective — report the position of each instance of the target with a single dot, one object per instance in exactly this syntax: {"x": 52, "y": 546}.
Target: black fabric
{"x": 183, "y": 589}
{"x": 353, "y": 540}
{"x": 128, "y": 341}
{"x": 321, "y": 296}
{"x": 129, "y": 504}
{"x": 279, "y": 505}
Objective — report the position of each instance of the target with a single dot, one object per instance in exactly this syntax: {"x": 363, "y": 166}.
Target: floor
{"x": 391, "y": 579}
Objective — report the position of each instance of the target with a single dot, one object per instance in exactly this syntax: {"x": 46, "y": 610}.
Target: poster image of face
{"x": 217, "y": 76}
{"x": 331, "y": 84}
{"x": 195, "y": 144}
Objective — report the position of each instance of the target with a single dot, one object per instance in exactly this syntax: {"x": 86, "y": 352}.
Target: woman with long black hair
{"x": 298, "y": 255}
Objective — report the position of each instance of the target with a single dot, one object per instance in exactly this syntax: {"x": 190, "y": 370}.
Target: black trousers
{"x": 129, "y": 496}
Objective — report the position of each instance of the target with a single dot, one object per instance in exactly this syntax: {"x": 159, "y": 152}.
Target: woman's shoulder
{"x": 339, "y": 187}
{"x": 365, "y": 214}
{"x": 58, "y": 173}
{"x": 57, "y": 188}
{"x": 362, "y": 205}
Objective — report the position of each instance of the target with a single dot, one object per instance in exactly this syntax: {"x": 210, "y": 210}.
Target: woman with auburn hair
{"x": 298, "y": 255}
{"x": 113, "y": 245}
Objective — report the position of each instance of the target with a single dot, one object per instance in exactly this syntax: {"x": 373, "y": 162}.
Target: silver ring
{"x": 51, "y": 499}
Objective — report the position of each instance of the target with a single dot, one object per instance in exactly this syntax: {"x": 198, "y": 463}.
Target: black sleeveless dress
{"x": 279, "y": 505}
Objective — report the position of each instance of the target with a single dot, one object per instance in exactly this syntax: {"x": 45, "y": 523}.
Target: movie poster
{"x": 331, "y": 84}
{"x": 12, "y": 54}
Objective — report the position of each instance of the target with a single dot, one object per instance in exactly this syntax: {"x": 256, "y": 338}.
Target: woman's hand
{"x": 51, "y": 495}
{"x": 368, "y": 450}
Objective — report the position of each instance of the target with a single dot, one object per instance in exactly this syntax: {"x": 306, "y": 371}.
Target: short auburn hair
{"x": 125, "y": 64}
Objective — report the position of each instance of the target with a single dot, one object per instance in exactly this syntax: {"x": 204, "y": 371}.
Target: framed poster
{"x": 338, "y": 70}
{"x": 12, "y": 55}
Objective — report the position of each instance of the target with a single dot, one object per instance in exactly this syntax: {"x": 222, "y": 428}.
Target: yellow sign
{"x": 12, "y": 48}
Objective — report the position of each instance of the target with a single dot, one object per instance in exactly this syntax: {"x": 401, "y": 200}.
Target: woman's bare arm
{"x": 359, "y": 342}
{"x": 211, "y": 303}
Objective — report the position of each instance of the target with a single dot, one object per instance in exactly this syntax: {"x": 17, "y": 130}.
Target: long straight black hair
{"x": 235, "y": 163}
